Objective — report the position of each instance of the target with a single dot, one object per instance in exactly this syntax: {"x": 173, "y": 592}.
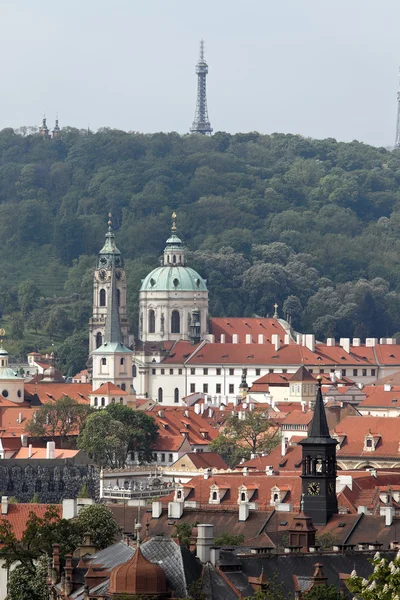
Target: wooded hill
{"x": 310, "y": 224}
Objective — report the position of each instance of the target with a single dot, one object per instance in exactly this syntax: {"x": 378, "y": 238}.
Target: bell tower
{"x": 109, "y": 258}
{"x": 319, "y": 467}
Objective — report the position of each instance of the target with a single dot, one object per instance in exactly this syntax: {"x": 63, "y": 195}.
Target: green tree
{"x": 382, "y": 584}
{"x": 29, "y": 583}
{"x": 28, "y": 297}
{"x": 105, "y": 439}
{"x": 183, "y": 531}
{"x": 242, "y": 437}
{"x": 229, "y": 539}
{"x": 72, "y": 354}
{"x": 61, "y": 418}
{"x": 142, "y": 429}
{"x": 17, "y": 326}
{"x": 324, "y": 592}
{"x": 99, "y": 522}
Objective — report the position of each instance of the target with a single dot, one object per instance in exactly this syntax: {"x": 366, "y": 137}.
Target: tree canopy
{"x": 309, "y": 224}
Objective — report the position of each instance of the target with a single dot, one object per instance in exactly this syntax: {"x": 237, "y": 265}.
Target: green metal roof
{"x": 7, "y": 373}
{"x": 111, "y": 347}
{"x": 174, "y": 278}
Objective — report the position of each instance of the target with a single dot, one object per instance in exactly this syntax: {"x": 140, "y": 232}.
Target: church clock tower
{"x": 319, "y": 467}
{"x": 109, "y": 258}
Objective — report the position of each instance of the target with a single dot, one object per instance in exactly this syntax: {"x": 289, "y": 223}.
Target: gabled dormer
{"x": 371, "y": 441}
{"x": 182, "y": 492}
{"x": 339, "y": 437}
{"x": 278, "y": 495}
{"x": 246, "y": 493}
{"x": 217, "y": 493}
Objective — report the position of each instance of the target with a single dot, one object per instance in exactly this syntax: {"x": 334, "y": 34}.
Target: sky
{"x": 319, "y": 68}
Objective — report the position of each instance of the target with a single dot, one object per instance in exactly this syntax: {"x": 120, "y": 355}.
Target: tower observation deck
{"x": 201, "y": 123}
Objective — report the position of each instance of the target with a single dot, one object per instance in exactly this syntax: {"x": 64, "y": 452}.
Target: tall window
{"x": 103, "y": 361}
{"x": 152, "y": 321}
{"x": 123, "y": 387}
{"x": 118, "y": 297}
{"x": 102, "y": 297}
{"x": 121, "y": 361}
{"x": 176, "y": 395}
{"x": 175, "y": 322}
{"x": 160, "y": 394}
{"x": 99, "y": 340}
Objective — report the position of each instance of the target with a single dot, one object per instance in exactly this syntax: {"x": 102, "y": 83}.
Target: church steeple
{"x": 319, "y": 466}
{"x": 112, "y": 331}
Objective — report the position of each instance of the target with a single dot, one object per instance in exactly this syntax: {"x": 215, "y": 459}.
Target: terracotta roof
{"x": 244, "y": 326}
{"x": 269, "y": 380}
{"x": 204, "y": 460}
{"x": 109, "y": 389}
{"x": 49, "y": 392}
{"x": 41, "y": 453}
{"x": 18, "y": 515}
{"x": 356, "y": 428}
{"x": 297, "y": 417}
{"x": 170, "y": 419}
{"x": 180, "y": 352}
{"x": 377, "y": 396}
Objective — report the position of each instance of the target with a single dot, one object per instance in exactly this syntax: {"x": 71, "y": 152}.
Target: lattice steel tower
{"x": 201, "y": 123}
{"x": 397, "y": 142}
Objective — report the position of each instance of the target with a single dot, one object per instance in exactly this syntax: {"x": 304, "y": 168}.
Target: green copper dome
{"x": 174, "y": 278}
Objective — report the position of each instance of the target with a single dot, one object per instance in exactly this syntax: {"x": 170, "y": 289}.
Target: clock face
{"x": 331, "y": 489}
{"x": 313, "y": 488}
{"x": 103, "y": 260}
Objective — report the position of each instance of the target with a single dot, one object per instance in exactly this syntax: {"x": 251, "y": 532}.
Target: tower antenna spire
{"x": 201, "y": 123}
{"x": 397, "y": 142}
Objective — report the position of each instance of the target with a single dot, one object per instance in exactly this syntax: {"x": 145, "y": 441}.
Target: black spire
{"x": 112, "y": 331}
{"x": 319, "y": 430}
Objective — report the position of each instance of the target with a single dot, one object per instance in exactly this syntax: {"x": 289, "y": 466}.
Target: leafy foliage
{"x": 324, "y": 592}
{"x": 229, "y": 539}
{"x": 184, "y": 533}
{"x": 60, "y": 418}
{"x": 242, "y": 437}
{"x": 382, "y": 584}
{"x": 97, "y": 520}
{"x": 29, "y": 583}
{"x": 309, "y": 224}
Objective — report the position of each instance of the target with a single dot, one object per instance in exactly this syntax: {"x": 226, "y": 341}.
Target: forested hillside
{"x": 310, "y": 224}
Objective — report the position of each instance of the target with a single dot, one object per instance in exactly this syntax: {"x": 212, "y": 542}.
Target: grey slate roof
{"x": 214, "y": 587}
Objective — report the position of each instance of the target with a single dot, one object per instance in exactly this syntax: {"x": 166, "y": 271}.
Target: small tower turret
{"x": 195, "y": 326}
{"x": 44, "y": 130}
{"x": 56, "y": 131}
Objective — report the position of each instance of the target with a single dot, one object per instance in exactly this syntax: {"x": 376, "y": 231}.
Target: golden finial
{"x": 319, "y": 379}
{"x": 173, "y": 228}
{"x": 109, "y": 219}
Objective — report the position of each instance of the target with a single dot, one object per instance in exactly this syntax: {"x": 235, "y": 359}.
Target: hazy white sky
{"x": 321, "y": 68}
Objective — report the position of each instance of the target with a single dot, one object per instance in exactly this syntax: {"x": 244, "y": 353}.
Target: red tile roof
{"x": 41, "y": 453}
{"x": 379, "y": 397}
{"x": 206, "y": 460}
{"x": 49, "y": 392}
{"x": 109, "y": 389}
{"x": 170, "y": 420}
{"x": 18, "y": 515}
{"x": 244, "y": 326}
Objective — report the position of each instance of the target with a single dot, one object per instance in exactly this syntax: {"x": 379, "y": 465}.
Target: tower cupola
{"x": 174, "y": 253}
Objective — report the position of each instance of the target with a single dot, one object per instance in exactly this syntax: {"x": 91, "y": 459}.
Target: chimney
{"x": 24, "y": 440}
{"x": 283, "y": 446}
{"x": 197, "y": 408}
{"x": 330, "y": 342}
{"x": 156, "y": 510}
{"x": 261, "y": 338}
{"x": 244, "y": 511}
{"x": 345, "y": 344}
{"x": 388, "y": 513}
{"x": 160, "y": 414}
{"x": 391, "y": 341}
{"x": 205, "y": 538}
{"x": 69, "y": 508}
{"x": 4, "y": 505}
{"x": 30, "y": 451}
{"x": 235, "y": 338}
{"x": 287, "y": 339}
{"x": 370, "y": 342}
{"x": 211, "y": 338}
{"x": 387, "y": 387}
{"x": 249, "y": 339}
{"x": 382, "y": 341}
{"x": 310, "y": 342}
{"x": 222, "y": 340}
{"x": 56, "y": 563}
{"x": 269, "y": 470}
{"x": 245, "y": 471}
{"x": 214, "y": 555}
{"x": 276, "y": 341}
{"x": 299, "y": 339}
{"x": 50, "y": 450}
{"x": 356, "y": 342}
{"x": 303, "y": 406}
{"x": 207, "y": 472}
{"x": 68, "y": 575}
{"x": 333, "y": 377}
{"x": 175, "y": 510}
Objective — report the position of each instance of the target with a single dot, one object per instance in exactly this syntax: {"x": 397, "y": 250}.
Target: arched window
{"x": 176, "y": 395}
{"x": 152, "y": 321}
{"x": 123, "y": 386}
{"x": 174, "y": 259}
{"x": 160, "y": 394}
{"x": 122, "y": 361}
{"x": 96, "y": 401}
{"x": 175, "y": 322}
{"x": 121, "y": 400}
{"x": 99, "y": 339}
{"x": 133, "y": 370}
{"x": 103, "y": 401}
{"x": 112, "y": 400}
{"x": 214, "y": 496}
{"x": 103, "y": 361}
{"x": 102, "y": 297}
{"x": 243, "y": 497}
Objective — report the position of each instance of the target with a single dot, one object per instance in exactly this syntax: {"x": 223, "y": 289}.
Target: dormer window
{"x": 370, "y": 442}
{"x": 214, "y": 496}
